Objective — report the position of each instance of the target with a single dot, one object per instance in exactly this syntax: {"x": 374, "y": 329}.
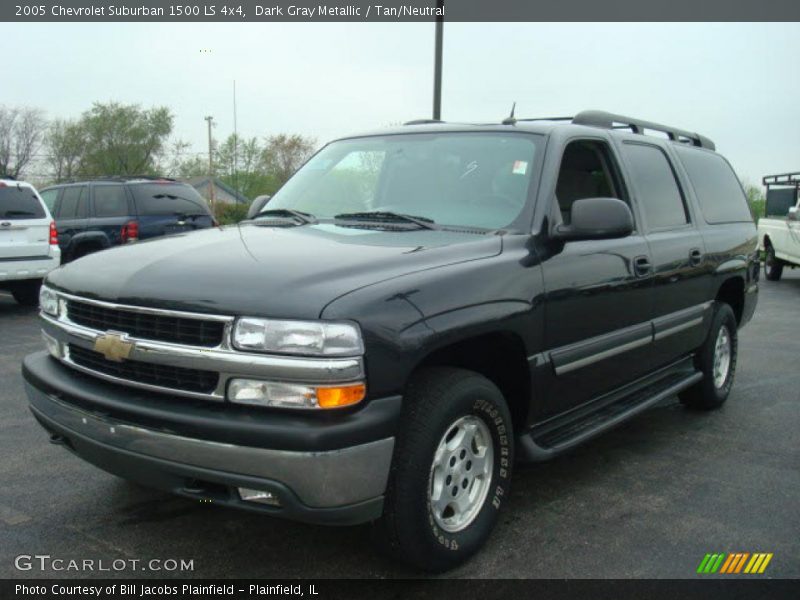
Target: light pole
{"x": 211, "y": 195}
{"x": 437, "y": 62}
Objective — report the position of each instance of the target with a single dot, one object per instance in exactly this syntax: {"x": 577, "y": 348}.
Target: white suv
{"x": 28, "y": 241}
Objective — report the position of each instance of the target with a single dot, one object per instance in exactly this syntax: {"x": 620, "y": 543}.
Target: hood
{"x": 263, "y": 271}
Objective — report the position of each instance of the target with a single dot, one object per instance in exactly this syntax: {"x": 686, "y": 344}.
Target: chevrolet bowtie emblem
{"x": 114, "y": 346}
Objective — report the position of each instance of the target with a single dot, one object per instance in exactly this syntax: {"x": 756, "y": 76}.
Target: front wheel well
{"x": 501, "y": 358}
{"x": 731, "y": 292}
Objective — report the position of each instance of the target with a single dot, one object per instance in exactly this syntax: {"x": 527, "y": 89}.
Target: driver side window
{"x": 587, "y": 171}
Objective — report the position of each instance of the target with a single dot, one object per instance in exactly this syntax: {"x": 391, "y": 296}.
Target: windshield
{"x": 467, "y": 179}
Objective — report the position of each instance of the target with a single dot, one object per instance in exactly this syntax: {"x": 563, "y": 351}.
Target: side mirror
{"x": 257, "y": 205}
{"x": 792, "y": 216}
{"x": 596, "y": 219}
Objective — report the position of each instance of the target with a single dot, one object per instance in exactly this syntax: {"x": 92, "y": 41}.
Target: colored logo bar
{"x": 734, "y": 563}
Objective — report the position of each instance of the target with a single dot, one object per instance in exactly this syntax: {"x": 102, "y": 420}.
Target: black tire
{"x": 27, "y": 292}
{"x": 437, "y": 398}
{"x": 709, "y": 394}
{"x": 773, "y": 266}
{"x": 84, "y": 249}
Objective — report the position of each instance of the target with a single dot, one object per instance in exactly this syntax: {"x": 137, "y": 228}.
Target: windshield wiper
{"x": 304, "y": 217}
{"x": 18, "y": 213}
{"x": 379, "y": 216}
{"x": 183, "y": 216}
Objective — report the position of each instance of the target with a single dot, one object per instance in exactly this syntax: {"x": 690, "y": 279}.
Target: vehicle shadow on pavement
{"x": 546, "y": 501}
{"x": 10, "y": 308}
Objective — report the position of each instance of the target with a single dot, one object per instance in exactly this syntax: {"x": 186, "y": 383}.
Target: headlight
{"x": 290, "y": 395}
{"x": 315, "y": 338}
{"x": 48, "y": 300}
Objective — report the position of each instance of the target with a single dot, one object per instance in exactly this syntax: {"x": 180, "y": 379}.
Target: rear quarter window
{"x": 18, "y": 203}
{"x": 716, "y": 186}
{"x": 49, "y": 197}
{"x": 168, "y": 199}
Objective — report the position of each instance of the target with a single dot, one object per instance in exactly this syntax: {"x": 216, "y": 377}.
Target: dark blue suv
{"x": 98, "y": 214}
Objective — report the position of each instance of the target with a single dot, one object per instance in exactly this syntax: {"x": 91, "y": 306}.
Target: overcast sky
{"x": 736, "y": 83}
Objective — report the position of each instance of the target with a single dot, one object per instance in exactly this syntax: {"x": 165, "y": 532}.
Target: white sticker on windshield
{"x": 520, "y": 167}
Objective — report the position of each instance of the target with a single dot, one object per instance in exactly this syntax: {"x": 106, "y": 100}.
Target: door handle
{"x": 642, "y": 266}
{"x": 695, "y": 257}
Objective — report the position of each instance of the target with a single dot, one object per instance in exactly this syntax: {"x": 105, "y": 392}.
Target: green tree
{"x": 22, "y": 131}
{"x": 124, "y": 139}
{"x": 183, "y": 163}
{"x": 755, "y": 199}
{"x": 284, "y": 154}
{"x": 240, "y": 164}
{"x": 65, "y": 145}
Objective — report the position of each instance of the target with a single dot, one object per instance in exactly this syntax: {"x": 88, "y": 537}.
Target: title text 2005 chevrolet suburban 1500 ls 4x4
{"x": 410, "y": 314}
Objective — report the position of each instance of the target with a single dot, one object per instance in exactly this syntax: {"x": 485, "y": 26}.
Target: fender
{"x": 407, "y": 318}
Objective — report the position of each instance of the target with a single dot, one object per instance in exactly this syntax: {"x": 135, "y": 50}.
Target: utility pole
{"x": 437, "y": 64}
{"x": 211, "y": 195}
{"x": 235, "y": 145}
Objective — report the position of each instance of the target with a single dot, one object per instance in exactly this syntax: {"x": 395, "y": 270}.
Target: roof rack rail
{"x": 131, "y": 178}
{"x": 423, "y": 122}
{"x": 783, "y": 179}
{"x": 599, "y": 118}
{"x": 546, "y": 119}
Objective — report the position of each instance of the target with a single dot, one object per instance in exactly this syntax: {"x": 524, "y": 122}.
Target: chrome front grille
{"x": 164, "y": 376}
{"x": 174, "y": 352}
{"x": 148, "y": 326}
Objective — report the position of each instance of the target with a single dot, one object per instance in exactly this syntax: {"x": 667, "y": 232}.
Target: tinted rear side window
{"x": 168, "y": 199}
{"x": 18, "y": 203}
{"x": 715, "y": 184}
{"x": 49, "y": 197}
{"x": 110, "y": 201}
{"x": 658, "y": 191}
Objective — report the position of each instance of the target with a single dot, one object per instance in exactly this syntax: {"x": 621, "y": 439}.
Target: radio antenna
{"x": 510, "y": 120}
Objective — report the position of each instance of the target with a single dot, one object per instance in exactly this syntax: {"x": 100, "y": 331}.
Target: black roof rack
{"x": 599, "y": 118}
{"x": 512, "y": 120}
{"x": 423, "y": 122}
{"x": 782, "y": 179}
{"x": 6, "y": 176}
{"x": 132, "y": 178}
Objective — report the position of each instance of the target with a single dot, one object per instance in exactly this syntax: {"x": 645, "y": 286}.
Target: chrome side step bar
{"x": 549, "y": 439}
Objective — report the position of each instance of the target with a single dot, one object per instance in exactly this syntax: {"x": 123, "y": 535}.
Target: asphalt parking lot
{"x": 648, "y": 499}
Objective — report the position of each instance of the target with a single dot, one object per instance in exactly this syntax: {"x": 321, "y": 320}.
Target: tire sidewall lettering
{"x": 499, "y": 429}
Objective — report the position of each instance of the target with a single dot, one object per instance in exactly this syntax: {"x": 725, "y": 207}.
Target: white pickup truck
{"x": 779, "y": 229}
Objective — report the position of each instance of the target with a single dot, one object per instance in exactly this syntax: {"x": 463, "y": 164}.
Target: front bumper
{"x": 323, "y": 484}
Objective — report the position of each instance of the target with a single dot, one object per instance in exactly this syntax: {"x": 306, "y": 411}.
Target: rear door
{"x": 72, "y": 210}
{"x": 24, "y": 223}
{"x": 166, "y": 208}
{"x": 680, "y": 268}
{"x": 111, "y": 210}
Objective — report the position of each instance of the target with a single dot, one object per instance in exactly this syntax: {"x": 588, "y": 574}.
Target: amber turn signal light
{"x": 335, "y": 397}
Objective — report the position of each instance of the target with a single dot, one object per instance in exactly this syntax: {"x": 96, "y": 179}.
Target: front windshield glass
{"x": 467, "y": 179}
